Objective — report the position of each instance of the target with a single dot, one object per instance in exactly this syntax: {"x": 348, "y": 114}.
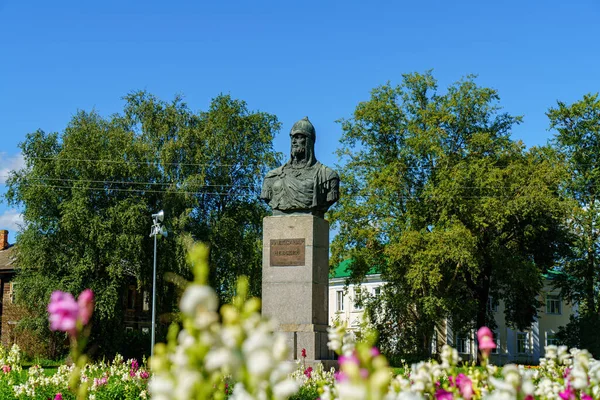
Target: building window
{"x": 497, "y": 341}
{"x": 339, "y": 300}
{"x": 553, "y": 304}
{"x": 462, "y": 344}
{"x": 377, "y": 291}
{"x": 357, "y": 303}
{"x": 551, "y": 339}
{"x": 434, "y": 342}
{"x": 128, "y": 329}
{"x": 12, "y": 293}
{"x": 146, "y": 331}
{"x": 522, "y": 343}
{"x": 492, "y": 304}
{"x": 131, "y": 297}
{"x": 146, "y": 302}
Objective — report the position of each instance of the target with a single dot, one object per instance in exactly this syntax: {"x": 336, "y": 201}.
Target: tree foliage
{"x": 447, "y": 206}
{"x": 577, "y": 139}
{"x": 88, "y": 194}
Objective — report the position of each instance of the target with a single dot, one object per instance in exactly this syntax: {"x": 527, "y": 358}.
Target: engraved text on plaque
{"x": 287, "y": 252}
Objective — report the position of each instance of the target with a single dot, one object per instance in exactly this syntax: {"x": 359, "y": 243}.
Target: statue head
{"x": 303, "y": 137}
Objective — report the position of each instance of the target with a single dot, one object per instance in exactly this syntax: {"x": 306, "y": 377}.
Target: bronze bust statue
{"x": 302, "y": 185}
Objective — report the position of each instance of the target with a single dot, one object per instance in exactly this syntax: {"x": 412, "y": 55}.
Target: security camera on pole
{"x": 157, "y": 230}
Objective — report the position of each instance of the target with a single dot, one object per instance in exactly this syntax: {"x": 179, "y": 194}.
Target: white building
{"x": 513, "y": 346}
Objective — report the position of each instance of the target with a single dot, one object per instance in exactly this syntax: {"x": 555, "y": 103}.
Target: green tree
{"x": 447, "y": 206}
{"x": 578, "y": 140}
{"x": 88, "y": 193}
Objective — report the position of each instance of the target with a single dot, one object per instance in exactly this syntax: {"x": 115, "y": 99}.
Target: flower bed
{"x": 232, "y": 352}
{"x": 119, "y": 379}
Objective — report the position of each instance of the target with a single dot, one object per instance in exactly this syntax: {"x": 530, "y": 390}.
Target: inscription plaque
{"x": 287, "y": 252}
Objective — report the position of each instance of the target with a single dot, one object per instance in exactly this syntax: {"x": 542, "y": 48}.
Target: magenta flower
{"x": 340, "y": 376}
{"x": 100, "y": 381}
{"x": 465, "y": 386}
{"x": 85, "y": 302}
{"x": 568, "y": 394}
{"x": 303, "y": 353}
{"x": 348, "y": 359}
{"x": 486, "y": 340}
{"x": 308, "y": 372}
{"x": 442, "y": 394}
{"x": 585, "y": 396}
{"x": 374, "y": 351}
{"x": 58, "y": 396}
{"x": 63, "y": 311}
{"x": 146, "y": 375}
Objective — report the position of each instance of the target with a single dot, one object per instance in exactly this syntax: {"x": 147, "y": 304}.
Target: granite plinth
{"x": 296, "y": 297}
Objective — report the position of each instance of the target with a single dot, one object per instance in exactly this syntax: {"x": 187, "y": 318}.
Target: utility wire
{"x": 99, "y": 161}
{"x": 108, "y": 189}
{"x": 131, "y": 182}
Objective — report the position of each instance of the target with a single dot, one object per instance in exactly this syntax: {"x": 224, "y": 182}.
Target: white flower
{"x": 351, "y": 391}
{"x": 186, "y": 380}
{"x": 408, "y": 395}
{"x": 198, "y": 296}
{"x": 280, "y": 349}
{"x": 160, "y": 387}
{"x": 220, "y": 358}
{"x": 285, "y": 389}
{"x": 239, "y": 393}
{"x": 257, "y": 340}
{"x": 259, "y": 363}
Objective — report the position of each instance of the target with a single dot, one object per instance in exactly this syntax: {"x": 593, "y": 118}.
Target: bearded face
{"x": 298, "y": 147}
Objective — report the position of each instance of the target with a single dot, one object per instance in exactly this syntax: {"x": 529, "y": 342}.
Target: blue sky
{"x": 289, "y": 58}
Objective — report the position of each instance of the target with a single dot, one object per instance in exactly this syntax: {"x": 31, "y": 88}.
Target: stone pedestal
{"x": 295, "y": 281}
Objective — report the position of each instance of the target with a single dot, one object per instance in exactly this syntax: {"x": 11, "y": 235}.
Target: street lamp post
{"x": 157, "y": 229}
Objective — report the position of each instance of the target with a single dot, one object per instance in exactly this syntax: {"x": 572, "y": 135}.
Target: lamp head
{"x": 159, "y": 216}
{"x": 163, "y": 231}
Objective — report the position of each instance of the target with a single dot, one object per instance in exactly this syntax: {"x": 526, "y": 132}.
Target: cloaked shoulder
{"x": 274, "y": 172}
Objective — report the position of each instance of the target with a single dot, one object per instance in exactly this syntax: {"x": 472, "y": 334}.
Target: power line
{"x": 184, "y": 192}
{"x": 133, "y": 182}
{"x": 99, "y": 161}
{"x": 128, "y": 190}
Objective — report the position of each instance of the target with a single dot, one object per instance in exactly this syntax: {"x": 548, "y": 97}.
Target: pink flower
{"x": 348, "y": 359}
{"x": 442, "y": 394}
{"x": 374, "y": 351}
{"x": 340, "y": 376}
{"x": 63, "y": 311}
{"x": 585, "y": 396}
{"x": 303, "y": 353}
{"x": 568, "y": 394}
{"x": 145, "y": 375}
{"x": 85, "y": 301}
{"x": 100, "y": 381}
{"x": 308, "y": 372}
{"x": 465, "y": 386}
{"x": 486, "y": 340}
{"x": 58, "y": 396}
{"x": 6, "y": 369}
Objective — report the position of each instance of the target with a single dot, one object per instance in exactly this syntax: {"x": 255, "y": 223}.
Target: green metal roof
{"x": 342, "y": 270}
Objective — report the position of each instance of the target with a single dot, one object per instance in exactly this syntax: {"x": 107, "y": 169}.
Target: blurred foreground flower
{"x": 66, "y": 313}
{"x": 235, "y": 343}
{"x": 486, "y": 340}
{"x": 73, "y": 317}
